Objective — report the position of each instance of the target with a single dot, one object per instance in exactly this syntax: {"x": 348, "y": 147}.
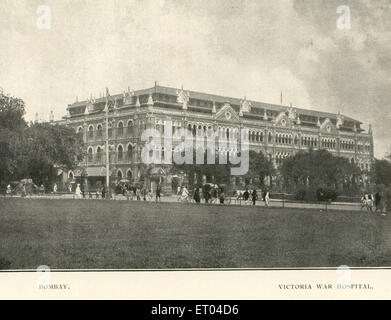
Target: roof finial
{"x": 150, "y": 100}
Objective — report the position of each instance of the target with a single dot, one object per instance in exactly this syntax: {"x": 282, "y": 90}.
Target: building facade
{"x": 276, "y": 130}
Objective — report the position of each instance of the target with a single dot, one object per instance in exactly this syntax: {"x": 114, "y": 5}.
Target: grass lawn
{"x": 90, "y": 234}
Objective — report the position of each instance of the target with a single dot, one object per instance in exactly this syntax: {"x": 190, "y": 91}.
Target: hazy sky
{"x": 229, "y": 47}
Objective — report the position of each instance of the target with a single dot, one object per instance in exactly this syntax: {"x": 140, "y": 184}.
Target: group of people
{"x": 368, "y": 201}
{"x": 212, "y": 193}
{"x": 137, "y": 192}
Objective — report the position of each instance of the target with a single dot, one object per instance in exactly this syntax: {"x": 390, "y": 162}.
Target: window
{"x": 130, "y": 152}
{"x": 100, "y": 131}
{"x": 120, "y": 129}
{"x": 130, "y": 128}
{"x": 120, "y": 152}
{"x": 110, "y": 131}
{"x": 90, "y": 132}
{"x": 98, "y": 154}
{"x": 89, "y": 154}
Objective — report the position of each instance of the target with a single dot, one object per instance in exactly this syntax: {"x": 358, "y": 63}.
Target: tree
{"x": 44, "y": 148}
{"x": 259, "y": 167}
{"x": 219, "y": 172}
{"x": 318, "y": 169}
{"x": 34, "y": 150}
{"x": 381, "y": 173}
{"x": 12, "y": 125}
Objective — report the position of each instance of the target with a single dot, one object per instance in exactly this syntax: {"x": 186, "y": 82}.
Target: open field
{"x": 99, "y": 234}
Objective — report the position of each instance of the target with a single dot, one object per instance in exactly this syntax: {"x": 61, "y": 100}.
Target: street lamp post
{"x": 107, "y": 142}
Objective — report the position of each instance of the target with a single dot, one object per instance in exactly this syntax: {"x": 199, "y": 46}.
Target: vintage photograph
{"x": 195, "y": 135}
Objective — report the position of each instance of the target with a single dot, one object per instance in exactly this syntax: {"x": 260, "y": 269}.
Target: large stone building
{"x": 278, "y": 131}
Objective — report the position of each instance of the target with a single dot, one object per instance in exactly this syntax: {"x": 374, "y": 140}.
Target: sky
{"x": 229, "y": 47}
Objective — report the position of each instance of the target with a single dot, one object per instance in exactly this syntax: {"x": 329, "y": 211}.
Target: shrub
{"x": 326, "y": 194}
{"x": 300, "y": 194}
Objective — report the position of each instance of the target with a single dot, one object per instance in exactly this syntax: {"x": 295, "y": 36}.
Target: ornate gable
{"x": 327, "y": 126}
{"x": 282, "y": 119}
{"x": 227, "y": 113}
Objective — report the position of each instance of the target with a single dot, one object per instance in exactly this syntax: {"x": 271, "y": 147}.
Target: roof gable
{"x": 227, "y": 113}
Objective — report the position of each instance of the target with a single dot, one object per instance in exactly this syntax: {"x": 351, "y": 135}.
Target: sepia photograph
{"x": 195, "y": 135}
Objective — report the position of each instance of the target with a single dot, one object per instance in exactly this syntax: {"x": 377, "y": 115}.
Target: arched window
{"x": 120, "y": 152}
{"x": 261, "y": 137}
{"x": 130, "y": 128}
{"x": 98, "y": 154}
{"x": 120, "y": 129}
{"x": 129, "y": 175}
{"x": 80, "y": 130}
{"x": 209, "y": 134}
{"x": 90, "y": 155}
{"x": 100, "y": 131}
{"x": 270, "y": 137}
{"x": 129, "y": 153}
{"x": 90, "y": 132}
{"x": 119, "y": 174}
{"x": 110, "y": 130}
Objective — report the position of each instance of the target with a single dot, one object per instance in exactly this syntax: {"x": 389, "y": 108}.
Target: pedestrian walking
{"x": 78, "y": 192}
{"x": 246, "y": 196}
{"x": 267, "y": 198}
{"x": 221, "y": 196}
{"x": 254, "y": 196}
{"x": 158, "y": 192}
{"x": 197, "y": 197}
{"x": 214, "y": 194}
{"x": 185, "y": 194}
{"x": 9, "y": 190}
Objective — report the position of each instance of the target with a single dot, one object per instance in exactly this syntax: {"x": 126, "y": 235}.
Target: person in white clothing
{"x": 78, "y": 191}
{"x": 9, "y": 190}
{"x": 185, "y": 194}
{"x": 267, "y": 198}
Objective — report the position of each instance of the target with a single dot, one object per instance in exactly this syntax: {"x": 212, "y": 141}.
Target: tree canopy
{"x": 34, "y": 150}
{"x": 318, "y": 168}
{"x": 259, "y": 167}
{"x": 382, "y": 172}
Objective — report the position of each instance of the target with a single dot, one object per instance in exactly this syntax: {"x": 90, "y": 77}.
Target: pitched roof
{"x": 222, "y": 99}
